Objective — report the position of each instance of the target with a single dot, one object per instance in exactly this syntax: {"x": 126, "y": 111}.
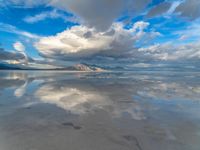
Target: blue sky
{"x": 54, "y": 33}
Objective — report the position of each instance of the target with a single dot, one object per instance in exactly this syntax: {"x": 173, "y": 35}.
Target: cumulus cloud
{"x": 100, "y": 35}
{"x": 83, "y": 42}
{"x": 168, "y": 51}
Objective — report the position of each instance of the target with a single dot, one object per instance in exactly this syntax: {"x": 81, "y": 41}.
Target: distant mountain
{"x": 77, "y": 67}
{"x": 83, "y": 67}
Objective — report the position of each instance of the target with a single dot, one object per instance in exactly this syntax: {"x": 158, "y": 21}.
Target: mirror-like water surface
{"x": 99, "y": 111}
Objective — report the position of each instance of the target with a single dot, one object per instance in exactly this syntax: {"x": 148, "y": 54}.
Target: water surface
{"x": 99, "y": 111}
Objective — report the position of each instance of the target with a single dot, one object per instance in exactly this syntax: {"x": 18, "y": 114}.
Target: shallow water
{"x": 99, "y": 111}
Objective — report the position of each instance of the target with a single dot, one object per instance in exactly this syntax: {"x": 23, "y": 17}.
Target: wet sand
{"x": 99, "y": 111}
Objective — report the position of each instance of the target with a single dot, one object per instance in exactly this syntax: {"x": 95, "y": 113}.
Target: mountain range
{"x": 77, "y": 67}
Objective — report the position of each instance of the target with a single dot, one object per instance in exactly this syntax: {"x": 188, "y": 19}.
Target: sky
{"x": 59, "y": 33}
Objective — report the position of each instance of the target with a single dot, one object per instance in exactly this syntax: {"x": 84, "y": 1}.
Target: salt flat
{"x": 99, "y": 111}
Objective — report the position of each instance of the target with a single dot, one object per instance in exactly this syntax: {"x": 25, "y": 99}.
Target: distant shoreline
{"x": 50, "y": 70}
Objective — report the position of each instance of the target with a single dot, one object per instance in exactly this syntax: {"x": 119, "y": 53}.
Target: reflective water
{"x": 99, "y": 111}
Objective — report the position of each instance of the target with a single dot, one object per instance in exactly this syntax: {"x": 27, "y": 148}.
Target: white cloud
{"x": 54, "y": 14}
{"x": 169, "y": 51}
{"x": 101, "y": 13}
{"x": 19, "y": 47}
{"x": 98, "y": 35}
{"x": 140, "y": 25}
{"x": 190, "y": 32}
{"x": 81, "y": 41}
{"x": 173, "y": 7}
{"x": 24, "y": 3}
{"x": 92, "y": 13}
{"x": 184, "y": 8}
{"x": 12, "y": 29}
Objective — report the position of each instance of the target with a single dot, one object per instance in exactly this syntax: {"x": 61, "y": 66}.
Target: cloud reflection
{"x": 71, "y": 98}
{"x": 170, "y": 91}
{"x": 82, "y": 98}
{"x": 19, "y": 92}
